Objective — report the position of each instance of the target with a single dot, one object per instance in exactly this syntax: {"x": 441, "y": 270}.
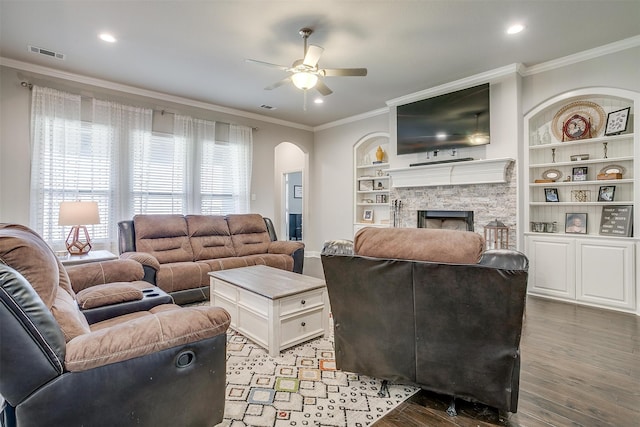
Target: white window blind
{"x": 115, "y": 159}
{"x": 158, "y": 175}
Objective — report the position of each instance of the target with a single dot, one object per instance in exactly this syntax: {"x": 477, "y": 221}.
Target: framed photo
{"x": 606, "y": 193}
{"x": 366, "y": 185}
{"x": 367, "y": 215}
{"x": 297, "y": 191}
{"x": 576, "y": 223}
{"x": 617, "y": 122}
{"x": 551, "y": 195}
{"x": 580, "y": 173}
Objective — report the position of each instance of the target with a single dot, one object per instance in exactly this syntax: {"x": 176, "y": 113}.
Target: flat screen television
{"x": 453, "y": 120}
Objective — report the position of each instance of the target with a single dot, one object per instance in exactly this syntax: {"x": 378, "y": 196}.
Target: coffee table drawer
{"x": 301, "y": 302}
{"x": 301, "y": 328}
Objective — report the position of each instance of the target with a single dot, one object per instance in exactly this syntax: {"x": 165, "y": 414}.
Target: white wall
{"x": 15, "y": 141}
{"x": 332, "y": 177}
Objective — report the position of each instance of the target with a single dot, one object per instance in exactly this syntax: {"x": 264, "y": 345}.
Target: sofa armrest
{"x": 150, "y": 264}
{"x": 337, "y": 247}
{"x": 147, "y": 260}
{"x": 83, "y": 276}
{"x": 107, "y": 294}
{"x": 165, "y": 326}
{"x": 505, "y": 259}
{"x": 286, "y": 247}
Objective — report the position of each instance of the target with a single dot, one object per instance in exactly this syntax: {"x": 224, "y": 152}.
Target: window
{"x": 116, "y": 160}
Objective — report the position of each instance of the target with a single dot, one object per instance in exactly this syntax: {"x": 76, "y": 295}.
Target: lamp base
{"x": 75, "y": 246}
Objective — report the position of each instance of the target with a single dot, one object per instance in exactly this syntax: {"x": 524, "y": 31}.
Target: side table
{"x": 92, "y": 256}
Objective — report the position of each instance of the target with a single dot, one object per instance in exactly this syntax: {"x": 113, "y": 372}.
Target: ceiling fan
{"x": 305, "y": 73}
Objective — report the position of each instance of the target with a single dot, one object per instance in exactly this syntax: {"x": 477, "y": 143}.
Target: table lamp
{"x": 78, "y": 215}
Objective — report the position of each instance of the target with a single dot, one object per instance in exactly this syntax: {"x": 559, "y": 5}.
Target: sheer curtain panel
{"x": 57, "y": 152}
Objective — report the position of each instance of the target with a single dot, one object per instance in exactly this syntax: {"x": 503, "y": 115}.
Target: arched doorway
{"x": 291, "y": 186}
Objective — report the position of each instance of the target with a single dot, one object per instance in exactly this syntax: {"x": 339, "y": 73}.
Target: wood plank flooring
{"x": 580, "y": 367}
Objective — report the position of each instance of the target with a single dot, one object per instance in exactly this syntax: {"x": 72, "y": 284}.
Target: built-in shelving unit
{"x": 371, "y": 182}
{"x": 588, "y": 265}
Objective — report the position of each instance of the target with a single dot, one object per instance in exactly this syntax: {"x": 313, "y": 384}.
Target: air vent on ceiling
{"x": 46, "y": 52}
{"x": 267, "y": 107}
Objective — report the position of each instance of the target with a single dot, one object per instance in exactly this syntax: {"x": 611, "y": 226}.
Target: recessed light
{"x": 318, "y": 100}
{"x": 107, "y": 38}
{"x": 515, "y": 29}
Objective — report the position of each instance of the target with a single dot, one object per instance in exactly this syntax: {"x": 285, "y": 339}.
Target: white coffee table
{"x": 277, "y": 309}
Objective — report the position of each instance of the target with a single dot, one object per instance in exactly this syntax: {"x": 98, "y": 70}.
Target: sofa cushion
{"x": 281, "y": 261}
{"x": 166, "y": 237}
{"x": 178, "y": 276}
{"x": 84, "y": 276}
{"x": 249, "y": 234}
{"x": 210, "y": 237}
{"x": 420, "y": 244}
{"x": 226, "y": 263}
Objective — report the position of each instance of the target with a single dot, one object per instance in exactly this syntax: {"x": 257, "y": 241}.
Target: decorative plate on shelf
{"x": 553, "y": 174}
{"x": 613, "y": 169}
{"x": 578, "y": 120}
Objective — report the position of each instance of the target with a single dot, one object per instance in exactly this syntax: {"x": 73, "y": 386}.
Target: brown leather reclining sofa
{"x": 178, "y": 251}
{"x": 431, "y": 308}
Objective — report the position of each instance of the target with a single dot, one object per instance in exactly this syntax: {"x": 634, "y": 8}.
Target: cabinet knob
{"x": 303, "y": 324}
{"x": 303, "y": 302}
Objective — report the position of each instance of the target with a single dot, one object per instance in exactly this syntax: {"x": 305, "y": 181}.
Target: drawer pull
{"x": 303, "y": 302}
{"x": 304, "y": 324}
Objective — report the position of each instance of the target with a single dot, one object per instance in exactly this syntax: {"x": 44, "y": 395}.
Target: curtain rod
{"x": 162, "y": 112}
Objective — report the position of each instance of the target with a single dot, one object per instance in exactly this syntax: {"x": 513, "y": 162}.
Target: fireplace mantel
{"x": 491, "y": 171}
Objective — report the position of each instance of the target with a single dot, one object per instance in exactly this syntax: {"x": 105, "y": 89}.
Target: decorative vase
{"x": 379, "y": 154}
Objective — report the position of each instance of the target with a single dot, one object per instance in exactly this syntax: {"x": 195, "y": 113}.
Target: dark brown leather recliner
{"x": 161, "y": 367}
{"x": 431, "y": 308}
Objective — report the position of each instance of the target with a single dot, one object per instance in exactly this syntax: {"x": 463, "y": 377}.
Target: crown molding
{"x": 487, "y": 76}
{"x": 105, "y": 84}
{"x": 352, "y": 119}
{"x": 596, "y": 52}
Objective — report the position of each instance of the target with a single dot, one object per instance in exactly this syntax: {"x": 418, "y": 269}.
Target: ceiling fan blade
{"x": 313, "y": 55}
{"x": 342, "y": 72}
{"x": 278, "y": 84}
{"x": 268, "y": 64}
{"x": 323, "y": 89}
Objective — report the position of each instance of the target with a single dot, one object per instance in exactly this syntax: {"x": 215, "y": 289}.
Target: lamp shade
{"x": 304, "y": 81}
{"x": 78, "y": 213}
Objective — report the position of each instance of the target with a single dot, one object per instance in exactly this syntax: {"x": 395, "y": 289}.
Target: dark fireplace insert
{"x": 450, "y": 220}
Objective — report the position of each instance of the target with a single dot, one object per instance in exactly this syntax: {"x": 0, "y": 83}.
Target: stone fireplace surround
{"x": 488, "y": 201}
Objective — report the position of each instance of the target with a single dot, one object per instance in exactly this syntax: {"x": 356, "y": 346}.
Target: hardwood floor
{"x": 580, "y": 367}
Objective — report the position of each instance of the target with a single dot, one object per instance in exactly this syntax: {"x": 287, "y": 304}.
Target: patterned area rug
{"x": 300, "y": 387}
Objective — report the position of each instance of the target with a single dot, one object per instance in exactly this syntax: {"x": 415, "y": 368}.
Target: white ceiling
{"x": 197, "y": 49}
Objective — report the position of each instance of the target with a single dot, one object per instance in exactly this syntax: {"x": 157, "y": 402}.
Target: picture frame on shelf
{"x": 579, "y": 173}
{"x": 367, "y": 215}
{"x": 617, "y": 122}
{"x": 606, "y": 193}
{"x": 365, "y": 185}
{"x": 575, "y": 223}
{"x": 297, "y": 191}
{"x": 617, "y": 221}
{"x": 551, "y": 195}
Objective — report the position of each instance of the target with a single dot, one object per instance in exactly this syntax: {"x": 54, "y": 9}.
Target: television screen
{"x": 453, "y": 120}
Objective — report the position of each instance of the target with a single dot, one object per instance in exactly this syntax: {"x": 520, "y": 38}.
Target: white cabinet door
{"x": 605, "y": 273}
{"x": 551, "y": 266}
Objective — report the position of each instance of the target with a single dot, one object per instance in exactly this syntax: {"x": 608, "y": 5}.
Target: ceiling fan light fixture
{"x": 304, "y": 80}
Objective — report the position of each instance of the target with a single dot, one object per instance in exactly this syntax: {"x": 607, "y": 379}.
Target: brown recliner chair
{"x": 430, "y": 308}
{"x": 161, "y": 367}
